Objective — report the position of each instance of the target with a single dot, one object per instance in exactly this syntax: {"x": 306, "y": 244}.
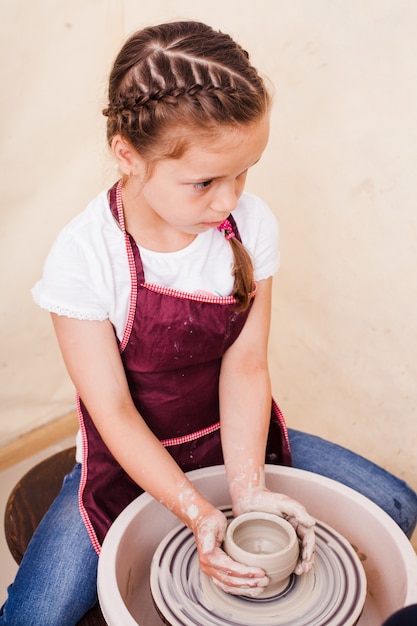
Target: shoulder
{"x": 79, "y": 270}
{"x": 251, "y": 208}
{"x": 92, "y": 223}
{"x": 255, "y": 220}
{"x": 89, "y": 237}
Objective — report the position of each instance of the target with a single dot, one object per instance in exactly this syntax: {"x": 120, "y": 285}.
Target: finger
{"x": 284, "y": 506}
{"x": 210, "y": 532}
{"x": 296, "y": 514}
{"x": 224, "y": 567}
{"x": 305, "y": 534}
{"x": 240, "y": 581}
{"x": 307, "y": 553}
{"x": 248, "y": 590}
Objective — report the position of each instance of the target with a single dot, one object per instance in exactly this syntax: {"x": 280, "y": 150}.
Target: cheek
{"x": 240, "y": 185}
{"x": 155, "y": 197}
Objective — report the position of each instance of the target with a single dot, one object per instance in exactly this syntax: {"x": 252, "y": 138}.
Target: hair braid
{"x": 184, "y": 75}
{"x": 242, "y": 273}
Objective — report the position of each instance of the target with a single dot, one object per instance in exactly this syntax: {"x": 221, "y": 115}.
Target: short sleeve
{"x": 70, "y": 283}
{"x": 86, "y": 273}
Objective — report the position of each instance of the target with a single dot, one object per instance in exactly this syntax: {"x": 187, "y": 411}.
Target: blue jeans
{"x": 404, "y": 617}
{"x": 393, "y": 495}
{"x": 56, "y": 582}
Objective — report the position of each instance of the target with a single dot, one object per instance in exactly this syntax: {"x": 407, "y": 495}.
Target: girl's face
{"x": 199, "y": 190}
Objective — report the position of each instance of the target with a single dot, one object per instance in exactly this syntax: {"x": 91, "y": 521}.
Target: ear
{"x": 128, "y": 160}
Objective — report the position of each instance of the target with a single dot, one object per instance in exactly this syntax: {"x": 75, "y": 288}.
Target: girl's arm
{"x": 92, "y": 358}
{"x": 245, "y": 409}
{"x": 91, "y": 355}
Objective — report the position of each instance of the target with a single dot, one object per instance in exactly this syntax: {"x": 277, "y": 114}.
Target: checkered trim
{"x": 282, "y": 422}
{"x": 199, "y": 297}
{"x": 132, "y": 270}
{"x": 84, "y": 470}
{"x": 176, "y": 441}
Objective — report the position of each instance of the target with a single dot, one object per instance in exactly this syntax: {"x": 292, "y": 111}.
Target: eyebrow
{"x": 204, "y": 178}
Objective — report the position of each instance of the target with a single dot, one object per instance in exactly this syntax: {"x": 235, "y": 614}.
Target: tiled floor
{"x": 8, "y": 479}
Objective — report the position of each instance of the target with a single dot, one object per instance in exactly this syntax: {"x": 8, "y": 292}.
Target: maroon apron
{"x": 171, "y": 351}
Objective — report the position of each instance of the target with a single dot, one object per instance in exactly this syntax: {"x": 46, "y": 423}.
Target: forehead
{"x": 231, "y": 151}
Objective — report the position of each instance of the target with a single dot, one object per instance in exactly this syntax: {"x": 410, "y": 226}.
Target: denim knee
{"x": 56, "y": 583}
{"x": 322, "y": 457}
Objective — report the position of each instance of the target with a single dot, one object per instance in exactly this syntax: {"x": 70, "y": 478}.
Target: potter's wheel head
{"x": 333, "y": 593}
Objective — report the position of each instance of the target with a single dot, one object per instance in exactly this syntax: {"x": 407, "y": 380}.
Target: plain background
{"x": 339, "y": 173}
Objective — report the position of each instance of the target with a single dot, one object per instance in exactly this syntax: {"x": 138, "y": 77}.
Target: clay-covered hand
{"x": 261, "y": 499}
{"x": 226, "y": 573}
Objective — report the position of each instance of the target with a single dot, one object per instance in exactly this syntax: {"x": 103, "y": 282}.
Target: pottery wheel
{"x": 333, "y": 593}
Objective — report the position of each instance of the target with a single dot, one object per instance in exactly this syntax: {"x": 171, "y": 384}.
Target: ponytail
{"x": 244, "y": 283}
{"x": 242, "y": 271}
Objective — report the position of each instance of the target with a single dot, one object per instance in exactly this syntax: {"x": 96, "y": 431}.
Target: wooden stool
{"x": 27, "y": 504}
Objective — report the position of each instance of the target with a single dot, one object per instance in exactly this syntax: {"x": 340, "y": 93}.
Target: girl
{"x": 160, "y": 294}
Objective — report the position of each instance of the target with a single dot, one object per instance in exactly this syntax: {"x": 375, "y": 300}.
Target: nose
{"x": 225, "y": 199}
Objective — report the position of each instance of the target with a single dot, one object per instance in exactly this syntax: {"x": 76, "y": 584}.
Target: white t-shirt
{"x": 86, "y": 274}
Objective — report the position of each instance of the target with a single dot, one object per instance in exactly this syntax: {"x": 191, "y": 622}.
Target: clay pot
{"x": 267, "y": 541}
{"x": 130, "y": 545}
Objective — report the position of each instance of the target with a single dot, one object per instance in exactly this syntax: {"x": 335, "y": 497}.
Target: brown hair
{"x": 184, "y": 75}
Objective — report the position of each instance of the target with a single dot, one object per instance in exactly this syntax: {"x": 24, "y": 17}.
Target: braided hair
{"x": 184, "y": 75}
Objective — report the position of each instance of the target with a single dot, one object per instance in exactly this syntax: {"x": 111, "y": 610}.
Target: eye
{"x": 203, "y": 185}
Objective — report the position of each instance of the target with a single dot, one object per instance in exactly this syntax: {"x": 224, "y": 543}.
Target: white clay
{"x": 266, "y": 541}
{"x": 333, "y": 592}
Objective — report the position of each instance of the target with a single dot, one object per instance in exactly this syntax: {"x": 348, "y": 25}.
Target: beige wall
{"x": 339, "y": 173}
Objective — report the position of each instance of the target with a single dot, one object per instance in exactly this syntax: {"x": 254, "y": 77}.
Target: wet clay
{"x": 333, "y": 592}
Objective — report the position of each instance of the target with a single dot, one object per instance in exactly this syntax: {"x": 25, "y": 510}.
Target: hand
{"x": 224, "y": 571}
{"x": 261, "y": 499}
